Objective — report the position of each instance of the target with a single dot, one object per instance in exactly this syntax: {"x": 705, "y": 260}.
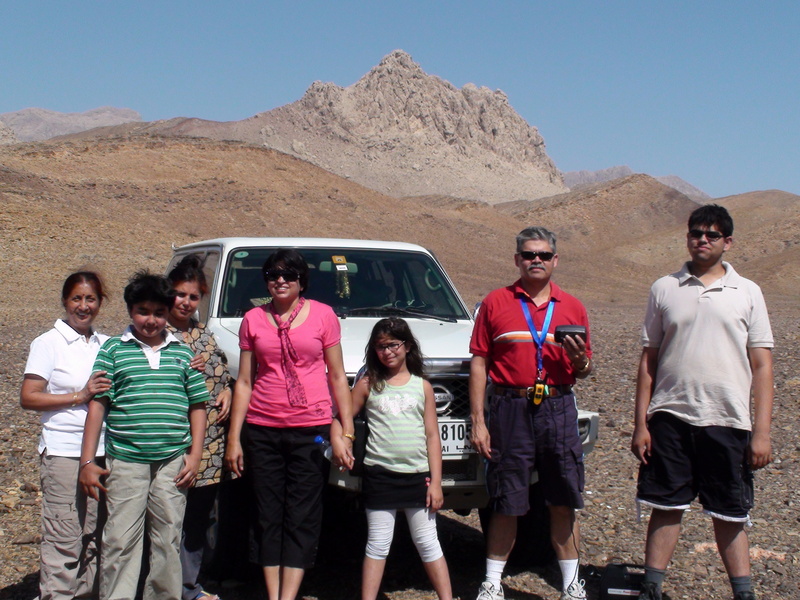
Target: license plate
{"x": 455, "y": 436}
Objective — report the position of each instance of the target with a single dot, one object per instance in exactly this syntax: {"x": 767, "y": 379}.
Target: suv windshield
{"x": 355, "y": 282}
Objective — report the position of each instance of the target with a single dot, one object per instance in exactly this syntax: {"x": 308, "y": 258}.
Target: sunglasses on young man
{"x": 543, "y": 256}
{"x": 711, "y": 236}
{"x": 288, "y": 275}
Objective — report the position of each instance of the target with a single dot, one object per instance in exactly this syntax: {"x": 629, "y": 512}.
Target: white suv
{"x": 364, "y": 281}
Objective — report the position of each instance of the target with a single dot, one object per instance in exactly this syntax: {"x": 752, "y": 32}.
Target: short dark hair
{"x": 190, "y": 268}
{"x": 289, "y": 258}
{"x": 90, "y": 277}
{"x": 709, "y": 215}
{"x": 536, "y": 233}
{"x": 144, "y": 286}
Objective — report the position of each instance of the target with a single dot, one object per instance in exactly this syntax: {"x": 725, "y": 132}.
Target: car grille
{"x": 452, "y": 396}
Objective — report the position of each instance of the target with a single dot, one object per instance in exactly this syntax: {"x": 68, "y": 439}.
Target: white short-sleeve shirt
{"x": 64, "y": 358}
{"x": 703, "y": 334}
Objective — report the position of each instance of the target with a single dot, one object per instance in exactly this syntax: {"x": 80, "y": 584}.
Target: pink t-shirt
{"x": 269, "y": 402}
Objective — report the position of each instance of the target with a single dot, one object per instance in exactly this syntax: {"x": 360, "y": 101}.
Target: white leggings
{"x": 421, "y": 524}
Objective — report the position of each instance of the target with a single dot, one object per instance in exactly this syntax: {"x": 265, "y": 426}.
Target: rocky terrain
{"x": 7, "y": 135}
{"x": 399, "y": 131}
{"x": 119, "y": 203}
{"x": 575, "y": 180}
{"x": 34, "y": 124}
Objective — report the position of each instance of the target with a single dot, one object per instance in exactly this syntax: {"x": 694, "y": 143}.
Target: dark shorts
{"x": 287, "y": 470}
{"x": 525, "y": 437}
{"x": 690, "y": 461}
{"x": 383, "y": 489}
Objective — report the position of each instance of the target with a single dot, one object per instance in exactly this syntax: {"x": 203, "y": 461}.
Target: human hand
{"x": 89, "y": 479}
{"x": 434, "y": 497}
{"x": 234, "y": 457}
{"x": 759, "y": 453}
{"x": 342, "y": 452}
{"x": 575, "y": 348}
{"x": 223, "y": 404}
{"x": 641, "y": 443}
{"x": 187, "y": 476}
{"x": 481, "y": 440}
{"x": 98, "y": 384}
{"x": 198, "y": 363}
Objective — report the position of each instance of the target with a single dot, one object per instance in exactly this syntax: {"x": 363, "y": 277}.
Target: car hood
{"x": 442, "y": 340}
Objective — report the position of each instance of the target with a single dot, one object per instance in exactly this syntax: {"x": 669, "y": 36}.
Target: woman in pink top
{"x": 290, "y": 364}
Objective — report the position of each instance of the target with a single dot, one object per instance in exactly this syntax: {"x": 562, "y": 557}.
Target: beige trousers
{"x": 71, "y": 531}
{"x": 140, "y": 493}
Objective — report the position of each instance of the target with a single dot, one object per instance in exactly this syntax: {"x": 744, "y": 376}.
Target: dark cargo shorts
{"x": 525, "y": 437}
{"x": 689, "y": 461}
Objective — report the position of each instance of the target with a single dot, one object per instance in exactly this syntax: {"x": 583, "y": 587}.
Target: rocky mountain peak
{"x": 397, "y": 118}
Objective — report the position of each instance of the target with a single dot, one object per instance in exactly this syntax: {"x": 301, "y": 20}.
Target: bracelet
{"x": 350, "y": 436}
{"x": 585, "y": 366}
{"x": 74, "y": 399}
{"x": 83, "y": 464}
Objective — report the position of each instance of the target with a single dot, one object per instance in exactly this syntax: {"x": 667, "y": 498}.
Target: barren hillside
{"x": 397, "y": 130}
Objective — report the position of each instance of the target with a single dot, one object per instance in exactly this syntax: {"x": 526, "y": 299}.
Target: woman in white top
{"x": 59, "y": 384}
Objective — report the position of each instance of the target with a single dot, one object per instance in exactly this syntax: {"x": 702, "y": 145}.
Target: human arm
{"x": 191, "y": 461}
{"x": 359, "y": 394}
{"x": 434, "y": 497}
{"x": 34, "y": 397}
{"x": 337, "y": 381}
{"x": 641, "y": 443}
{"x": 760, "y": 450}
{"x": 89, "y": 472}
{"x": 234, "y": 456}
{"x": 478, "y": 377}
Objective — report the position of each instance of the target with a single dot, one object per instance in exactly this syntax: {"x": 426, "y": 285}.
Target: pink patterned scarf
{"x": 294, "y": 387}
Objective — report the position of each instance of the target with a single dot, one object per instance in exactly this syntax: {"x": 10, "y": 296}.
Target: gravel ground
{"x": 610, "y": 527}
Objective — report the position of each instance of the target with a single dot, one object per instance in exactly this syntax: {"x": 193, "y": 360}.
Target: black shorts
{"x": 689, "y": 461}
{"x": 525, "y": 437}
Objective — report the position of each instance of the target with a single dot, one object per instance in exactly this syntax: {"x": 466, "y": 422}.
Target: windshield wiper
{"x": 398, "y": 310}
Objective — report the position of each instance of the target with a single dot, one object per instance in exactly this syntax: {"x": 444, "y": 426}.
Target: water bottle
{"x": 325, "y": 446}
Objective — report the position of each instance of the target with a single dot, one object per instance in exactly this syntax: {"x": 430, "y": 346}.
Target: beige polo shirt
{"x": 703, "y": 334}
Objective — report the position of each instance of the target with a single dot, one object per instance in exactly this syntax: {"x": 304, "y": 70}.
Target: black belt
{"x": 553, "y": 391}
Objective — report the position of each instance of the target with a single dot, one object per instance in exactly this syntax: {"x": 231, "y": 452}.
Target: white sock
{"x": 569, "y": 572}
{"x": 494, "y": 571}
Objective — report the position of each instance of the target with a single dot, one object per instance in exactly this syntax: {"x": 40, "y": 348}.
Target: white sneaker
{"x": 575, "y": 591}
{"x": 488, "y": 591}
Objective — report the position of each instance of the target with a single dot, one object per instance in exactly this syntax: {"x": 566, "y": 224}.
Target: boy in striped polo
{"x": 154, "y": 413}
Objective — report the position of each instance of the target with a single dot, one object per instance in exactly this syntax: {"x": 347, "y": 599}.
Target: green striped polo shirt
{"x": 147, "y": 417}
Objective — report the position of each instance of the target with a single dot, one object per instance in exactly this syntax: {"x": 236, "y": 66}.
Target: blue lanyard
{"x": 538, "y": 338}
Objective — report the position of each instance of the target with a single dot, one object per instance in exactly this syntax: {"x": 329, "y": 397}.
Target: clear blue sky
{"x": 708, "y": 91}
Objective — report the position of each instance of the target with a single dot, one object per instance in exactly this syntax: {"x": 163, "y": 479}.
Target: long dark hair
{"x": 396, "y": 328}
{"x": 190, "y": 268}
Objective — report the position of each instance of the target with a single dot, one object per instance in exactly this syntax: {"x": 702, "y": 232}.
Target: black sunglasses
{"x": 711, "y": 236}
{"x": 544, "y": 256}
{"x": 288, "y": 275}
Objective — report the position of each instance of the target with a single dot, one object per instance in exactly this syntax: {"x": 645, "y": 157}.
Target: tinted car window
{"x": 354, "y": 282}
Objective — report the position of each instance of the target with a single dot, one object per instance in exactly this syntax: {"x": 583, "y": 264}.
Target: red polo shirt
{"x": 502, "y": 336}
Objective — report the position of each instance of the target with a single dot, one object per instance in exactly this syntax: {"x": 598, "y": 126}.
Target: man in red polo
{"x": 531, "y": 420}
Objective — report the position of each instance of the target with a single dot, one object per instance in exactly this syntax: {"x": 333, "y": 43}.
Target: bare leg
{"x": 733, "y": 546}
{"x": 371, "y": 577}
{"x": 272, "y": 577}
{"x": 565, "y": 533}
{"x": 662, "y": 537}
{"x": 501, "y": 537}
{"x": 291, "y": 578}
{"x": 440, "y": 578}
